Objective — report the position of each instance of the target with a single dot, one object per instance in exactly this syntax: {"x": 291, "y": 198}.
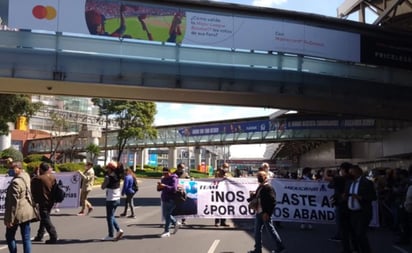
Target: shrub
{"x": 13, "y": 153}
{"x": 99, "y": 171}
{"x": 31, "y": 166}
{"x": 69, "y": 167}
{"x": 36, "y": 158}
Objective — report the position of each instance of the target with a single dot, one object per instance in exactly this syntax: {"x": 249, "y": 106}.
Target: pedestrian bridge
{"x": 377, "y": 85}
{"x": 240, "y": 131}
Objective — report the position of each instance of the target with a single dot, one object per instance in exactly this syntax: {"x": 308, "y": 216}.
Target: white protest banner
{"x": 297, "y": 200}
{"x": 4, "y": 183}
{"x": 303, "y": 200}
{"x": 71, "y": 184}
{"x": 225, "y": 198}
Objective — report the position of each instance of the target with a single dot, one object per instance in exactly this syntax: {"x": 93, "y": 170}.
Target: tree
{"x": 134, "y": 118}
{"x": 12, "y": 153}
{"x": 105, "y": 109}
{"x": 13, "y": 106}
{"x": 59, "y": 125}
{"x": 93, "y": 150}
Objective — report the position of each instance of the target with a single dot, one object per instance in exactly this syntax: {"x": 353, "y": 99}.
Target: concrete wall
{"x": 398, "y": 143}
{"x": 367, "y": 154}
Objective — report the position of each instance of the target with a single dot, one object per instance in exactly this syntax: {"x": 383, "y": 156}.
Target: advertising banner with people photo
{"x": 70, "y": 183}
{"x": 177, "y": 24}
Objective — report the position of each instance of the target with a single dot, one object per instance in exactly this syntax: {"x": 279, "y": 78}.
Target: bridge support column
{"x": 140, "y": 158}
{"x": 214, "y": 161}
{"x": 208, "y": 159}
{"x": 5, "y": 140}
{"x": 171, "y": 161}
{"x": 198, "y": 157}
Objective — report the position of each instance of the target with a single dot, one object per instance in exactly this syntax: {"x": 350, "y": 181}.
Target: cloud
{"x": 247, "y": 151}
{"x": 175, "y": 113}
{"x": 268, "y": 3}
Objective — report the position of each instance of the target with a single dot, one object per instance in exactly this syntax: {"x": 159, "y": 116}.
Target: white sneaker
{"x": 166, "y": 234}
{"x": 108, "y": 238}
{"x": 119, "y": 234}
{"x": 57, "y": 210}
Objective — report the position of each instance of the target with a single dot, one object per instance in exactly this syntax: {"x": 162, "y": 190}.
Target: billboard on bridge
{"x": 279, "y": 124}
{"x": 176, "y": 24}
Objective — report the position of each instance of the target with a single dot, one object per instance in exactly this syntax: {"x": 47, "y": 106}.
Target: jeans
{"x": 129, "y": 203}
{"x": 46, "y": 224}
{"x": 167, "y": 209}
{"x": 25, "y": 235}
{"x": 268, "y": 225}
{"x": 111, "y": 219}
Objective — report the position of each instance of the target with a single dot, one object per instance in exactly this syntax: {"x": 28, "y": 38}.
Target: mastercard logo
{"x": 44, "y": 12}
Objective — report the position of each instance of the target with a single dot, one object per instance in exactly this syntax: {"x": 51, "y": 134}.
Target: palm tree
{"x": 93, "y": 150}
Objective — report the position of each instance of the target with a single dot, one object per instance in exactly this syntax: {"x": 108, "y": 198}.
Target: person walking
{"x": 222, "y": 172}
{"x": 129, "y": 184}
{"x": 338, "y": 184}
{"x": 87, "y": 185}
{"x": 359, "y": 195}
{"x": 168, "y": 187}
{"x": 182, "y": 173}
{"x": 18, "y": 209}
{"x": 266, "y": 201}
{"x": 111, "y": 184}
{"x": 306, "y": 175}
{"x": 41, "y": 188}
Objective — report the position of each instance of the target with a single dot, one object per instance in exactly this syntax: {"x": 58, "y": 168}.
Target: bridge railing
{"x": 65, "y": 45}
{"x": 170, "y": 137}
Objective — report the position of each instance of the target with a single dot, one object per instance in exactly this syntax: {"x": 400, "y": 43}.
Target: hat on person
{"x": 44, "y": 167}
{"x": 166, "y": 170}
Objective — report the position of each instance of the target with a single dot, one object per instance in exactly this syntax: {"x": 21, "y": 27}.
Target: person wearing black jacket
{"x": 266, "y": 197}
{"x": 338, "y": 183}
{"x": 359, "y": 193}
{"x": 41, "y": 189}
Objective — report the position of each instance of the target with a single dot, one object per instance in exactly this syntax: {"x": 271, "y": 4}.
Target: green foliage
{"x": 36, "y": 158}
{"x": 13, "y": 106}
{"x": 69, "y": 167}
{"x": 98, "y": 171}
{"x": 31, "y": 166}
{"x": 134, "y": 118}
{"x": 13, "y": 153}
{"x": 3, "y": 169}
{"x": 156, "y": 172}
{"x": 198, "y": 174}
{"x": 93, "y": 150}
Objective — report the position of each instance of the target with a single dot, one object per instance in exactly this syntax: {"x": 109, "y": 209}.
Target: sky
{"x": 174, "y": 113}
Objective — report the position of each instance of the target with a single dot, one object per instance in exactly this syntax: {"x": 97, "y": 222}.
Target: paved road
{"x": 82, "y": 234}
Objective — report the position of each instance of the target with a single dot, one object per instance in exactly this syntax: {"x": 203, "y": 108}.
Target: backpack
{"x": 180, "y": 195}
{"x": 135, "y": 186}
{"x": 58, "y": 192}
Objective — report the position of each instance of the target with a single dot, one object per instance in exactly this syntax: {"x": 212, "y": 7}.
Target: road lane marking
{"x": 213, "y": 247}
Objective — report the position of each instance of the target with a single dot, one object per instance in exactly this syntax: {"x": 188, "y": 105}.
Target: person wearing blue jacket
{"x": 129, "y": 189}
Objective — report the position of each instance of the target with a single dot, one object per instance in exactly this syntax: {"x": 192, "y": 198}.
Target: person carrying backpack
{"x": 129, "y": 189}
{"x": 41, "y": 188}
